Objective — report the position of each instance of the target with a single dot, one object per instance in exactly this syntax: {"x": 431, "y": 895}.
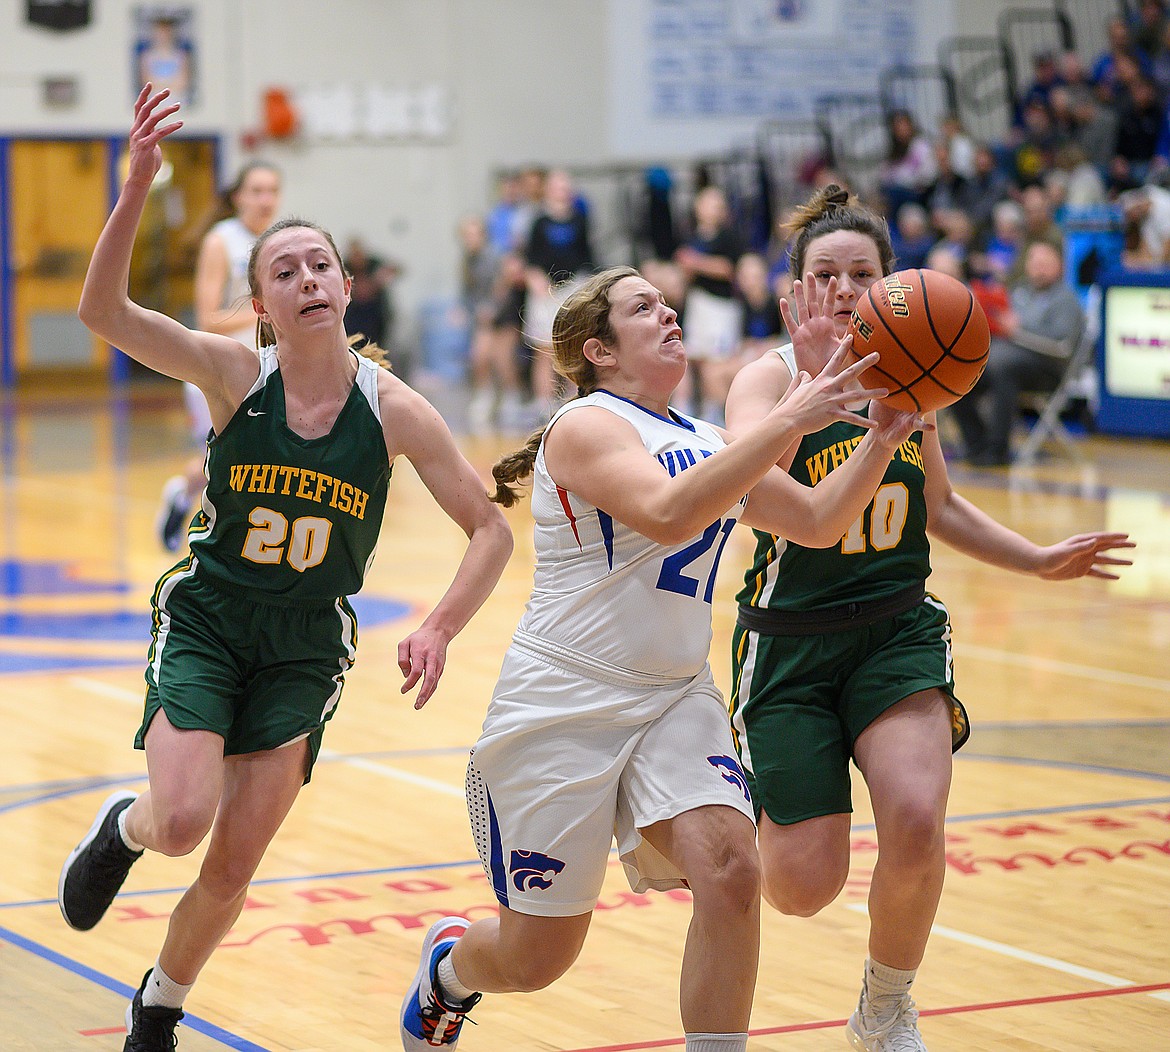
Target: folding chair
{"x": 1076, "y": 382}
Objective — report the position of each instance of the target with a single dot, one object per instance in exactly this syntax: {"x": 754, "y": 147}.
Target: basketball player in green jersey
{"x": 840, "y": 654}
{"x": 253, "y": 633}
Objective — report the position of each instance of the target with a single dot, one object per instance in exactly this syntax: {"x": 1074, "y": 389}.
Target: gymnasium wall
{"x": 505, "y": 82}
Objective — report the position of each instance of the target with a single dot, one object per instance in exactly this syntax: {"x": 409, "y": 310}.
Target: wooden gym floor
{"x": 1054, "y": 929}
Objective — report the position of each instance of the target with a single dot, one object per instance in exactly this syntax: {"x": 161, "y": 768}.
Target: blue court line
{"x": 421, "y": 867}
{"x": 300, "y": 878}
{"x": 200, "y": 1026}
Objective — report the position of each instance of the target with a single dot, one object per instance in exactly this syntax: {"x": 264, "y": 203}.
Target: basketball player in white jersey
{"x": 606, "y": 721}
{"x": 223, "y": 305}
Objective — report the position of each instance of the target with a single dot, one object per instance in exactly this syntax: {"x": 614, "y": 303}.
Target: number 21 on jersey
{"x": 672, "y": 578}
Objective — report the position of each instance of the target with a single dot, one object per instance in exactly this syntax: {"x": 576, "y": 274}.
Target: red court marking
{"x": 825, "y": 1024}
{"x": 103, "y": 1031}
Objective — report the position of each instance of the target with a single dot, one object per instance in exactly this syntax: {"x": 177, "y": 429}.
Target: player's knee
{"x": 915, "y": 836}
{"x": 800, "y": 899}
{"x": 807, "y": 889}
{"x": 180, "y": 832}
{"x": 730, "y": 879}
{"x": 540, "y": 968}
{"x": 226, "y": 882}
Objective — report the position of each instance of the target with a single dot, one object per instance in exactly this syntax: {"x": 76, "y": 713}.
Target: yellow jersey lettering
{"x": 303, "y": 490}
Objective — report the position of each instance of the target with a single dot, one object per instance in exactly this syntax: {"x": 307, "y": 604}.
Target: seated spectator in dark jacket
{"x": 1139, "y": 125}
{"x": 1041, "y": 332}
{"x": 986, "y": 188}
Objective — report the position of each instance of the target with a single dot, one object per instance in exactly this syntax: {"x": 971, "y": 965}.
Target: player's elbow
{"x": 95, "y": 315}
{"x": 669, "y": 526}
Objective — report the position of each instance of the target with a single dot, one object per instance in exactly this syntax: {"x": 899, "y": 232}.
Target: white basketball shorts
{"x": 568, "y": 762}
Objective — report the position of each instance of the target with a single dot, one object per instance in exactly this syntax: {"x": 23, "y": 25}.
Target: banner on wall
{"x": 768, "y": 58}
{"x": 164, "y": 51}
{"x": 58, "y": 14}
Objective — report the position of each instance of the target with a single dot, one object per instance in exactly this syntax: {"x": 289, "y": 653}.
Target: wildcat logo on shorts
{"x": 531, "y": 869}
{"x": 731, "y": 771}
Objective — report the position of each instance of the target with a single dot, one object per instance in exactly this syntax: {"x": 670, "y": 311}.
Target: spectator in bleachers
{"x": 1128, "y": 71}
{"x": 911, "y": 235}
{"x": 1041, "y": 331}
{"x": 489, "y": 298}
{"x": 1073, "y": 75}
{"x": 502, "y": 219}
{"x": 960, "y": 146}
{"x": 1140, "y": 117}
{"x": 1094, "y": 129}
{"x": 944, "y": 260}
{"x": 558, "y": 257}
{"x": 909, "y": 167}
{"x": 1104, "y": 74}
{"x": 529, "y": 203}
{"x": 1146, "y": 212}
{"x": 1160, "y": 65}
{"x": 1034, "y": 143}
{"x": 985, "y": 189}
{"x": 989, "y": 291}
{"x": 949, "y": 189}
{"x": 1078, "y": 182}
{"x": 1148, "y": 27}
{"x": 762, "y": 325}
{"x": 956, "y": 233}
{"x": 711, "y": 315}
{"x": 1045, "y": 77}
{"x": 1060, "y": 109}
{"x": 1040, "y": 225}
{"x": 1007, "y": 236}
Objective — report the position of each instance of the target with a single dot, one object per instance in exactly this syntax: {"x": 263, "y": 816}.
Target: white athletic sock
{"x": 161, "y": 991}
{"x": 885, "y": 987}
{"x": 131, "y": 844}
{"x": 449, "y": 984}
{"x": 717, "y": 1042}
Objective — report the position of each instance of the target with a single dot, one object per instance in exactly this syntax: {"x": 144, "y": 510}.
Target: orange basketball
{"x": 931, "y": 334}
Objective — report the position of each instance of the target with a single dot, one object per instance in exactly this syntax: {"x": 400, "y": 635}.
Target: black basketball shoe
{"x": 97, "y": 867}
{"x": 150, "y": 1028}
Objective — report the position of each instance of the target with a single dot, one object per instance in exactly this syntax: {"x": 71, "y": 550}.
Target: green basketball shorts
{"x": 799, "y": 703}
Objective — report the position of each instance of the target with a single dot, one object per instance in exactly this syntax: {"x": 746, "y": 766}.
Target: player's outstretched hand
{"x": 1085, "y": 555}
{"x": 815, "y": 402}
{"x": 809, "y": 321}
{"x": 147, "y": 132}
{"x": 422, "y": 655}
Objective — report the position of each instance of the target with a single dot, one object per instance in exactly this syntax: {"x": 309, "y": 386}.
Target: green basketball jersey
{"x": 291, "y": 519}
{"x": 884, "y": 551}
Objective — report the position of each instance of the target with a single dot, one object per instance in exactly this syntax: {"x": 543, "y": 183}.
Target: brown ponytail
{"x": 513, "y": 468}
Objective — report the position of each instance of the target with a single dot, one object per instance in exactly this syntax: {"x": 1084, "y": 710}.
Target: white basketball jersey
{"x": 238, "y": 240}
{"x": 606, "y": 593}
